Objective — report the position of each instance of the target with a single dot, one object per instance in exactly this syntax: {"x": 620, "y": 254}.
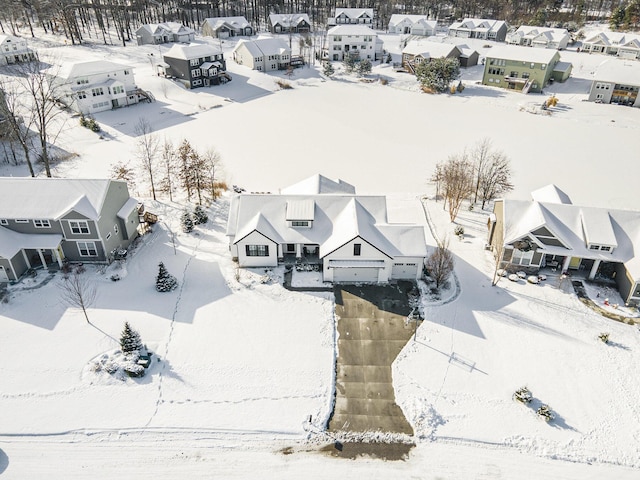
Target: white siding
{"x": 367, "y": 252}
{"x": 256, "y": 238}
{"x": 406, "y": 268}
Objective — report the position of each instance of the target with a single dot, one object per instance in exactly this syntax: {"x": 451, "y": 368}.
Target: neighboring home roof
{"x": 12, "y": 242}
{"x": 354, "y": 12}
{"x": 532, "y": 32}
{"x": 618, "y": 70}
{"x": 193, "y": 50}
{"x": 355, "y": 29}
{"x": 563, "y": 67}
{"x": 337, "y": 218}
{"x": 289, "y": 19}
{"x": 173, "y": 27}
{"x": 85, "y": 69}
{"x": 264, "y": 46}
{"x": 398, "y": 18}
{"x": 478, "y": 24}
{"x": 550, "y": 194}
{"x": 319, "y": 184}
{"x": 615, "y": 38}
{"x": 466, "y": 51}
{"x": 428, "y": 49}
{"x": 51, "y": 198}
{"x": 524, "y": 54}
{"x": 236, "y": 22}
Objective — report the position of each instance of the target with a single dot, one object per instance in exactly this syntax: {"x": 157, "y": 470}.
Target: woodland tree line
{"x": 101, "y": 20}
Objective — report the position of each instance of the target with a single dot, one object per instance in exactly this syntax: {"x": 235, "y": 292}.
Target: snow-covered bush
{"x": 545, "y": 412}
{"x": 459, "y": 230}
{"x": 604, "y": 337}
{"x": 199, "y": 215}
{"x": 165, "y": 282}
{"x": 186, "y": 221}
{"x": 522, "y": 395}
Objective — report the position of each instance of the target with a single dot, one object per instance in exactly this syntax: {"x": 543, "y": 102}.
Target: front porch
{"x": 303, "y": 256}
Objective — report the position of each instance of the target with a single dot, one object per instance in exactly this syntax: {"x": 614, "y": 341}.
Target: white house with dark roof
{"x": 167, "y": 32}
{"x": 541, "y": 37}
{"x": 289, "y": 22}
{"x": 616, "y": 81}
{"x": 95, "y": 86}
{"x": 356, "y": 40}
{"x": 352, "y": 16}
{"x": 412, "y": 25}
{"x": 485, "y": 29}
{"x": 321, "y": 221}
{"x": 225, "y": 27}
{"x": 549, "y": 231}
{"x": 44, "y": 221}
{"x": 14, "y": 50}
{"x": 263, "y": 54}
{"x": 624, "y": 45}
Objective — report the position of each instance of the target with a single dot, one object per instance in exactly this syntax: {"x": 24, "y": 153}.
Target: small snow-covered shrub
{"x": 522, "y": 395}
{"x": 604, "y": 337}
{"x": 199, "y": 215}
{"x": 459, "y": 230}
{"x": 133, "y": 369}
{"x": 545, "y": 412}
{"x": 187, "y": 223}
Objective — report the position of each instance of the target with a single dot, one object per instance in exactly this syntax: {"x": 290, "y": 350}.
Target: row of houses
{"x": 14, "y": 50}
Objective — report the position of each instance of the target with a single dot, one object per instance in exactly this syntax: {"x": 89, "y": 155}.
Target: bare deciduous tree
{"x": 16, "y": 119}
{"x": 168, "y": 160}
{"x": 492, "y": 172}
{"x": 440, "y": 263}
{"x": 122, "y": 171}
{"x": 212, "y": 162}
{"x": 148, "y": 146}
{"x": 457, "y": 181}
{"x": 77, "y": 291}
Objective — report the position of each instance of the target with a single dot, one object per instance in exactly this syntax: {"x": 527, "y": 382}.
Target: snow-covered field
{"x": 243, "y": 364}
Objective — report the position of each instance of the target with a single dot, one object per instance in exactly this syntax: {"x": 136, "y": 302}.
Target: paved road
{"x": 372, "y": 331}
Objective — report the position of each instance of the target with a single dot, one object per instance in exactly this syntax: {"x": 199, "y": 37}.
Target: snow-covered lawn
{"x": 244, "y": 363}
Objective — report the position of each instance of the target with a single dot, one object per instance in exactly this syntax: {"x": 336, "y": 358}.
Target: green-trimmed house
{"x": 550, "y": 232}
{"x": 45, "y": 221}
{"x": 524, "y": 69}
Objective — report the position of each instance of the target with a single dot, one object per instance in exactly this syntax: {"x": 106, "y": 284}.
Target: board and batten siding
{"x": 256, "y": 238}
{"x": 367, "y": 252}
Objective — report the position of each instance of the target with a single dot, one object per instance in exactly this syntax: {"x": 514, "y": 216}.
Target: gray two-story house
{"x": 195, "y": 65}
{"x": 45, "y": 221}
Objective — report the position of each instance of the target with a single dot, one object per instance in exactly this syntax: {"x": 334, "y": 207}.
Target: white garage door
{"x": 3, "y": 275}
{"x": 352, "y": 275}
{"x": 404, "y": 270}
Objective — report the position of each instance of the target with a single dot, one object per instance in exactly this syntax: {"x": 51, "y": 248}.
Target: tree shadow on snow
{"x": 124, "y": 120}
{"x": 4, "y": 461}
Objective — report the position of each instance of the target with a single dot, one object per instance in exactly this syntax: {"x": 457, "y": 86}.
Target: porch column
{"x": 26, "y": 259}
{"x": 594, "y": 269}
{"x": 280, "y": 254}
{"x": 56, "y": 254}
{"x": 44, "y": 262}
{"x": 298, "y": 250}
{"x": 565, "y": 264}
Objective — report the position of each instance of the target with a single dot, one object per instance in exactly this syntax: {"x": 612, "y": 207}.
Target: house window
{"x": 96, "y": 92}
{"x": 543, "y": 66}
{"x": 514, "y": 74}
{"x": 87, "y": 249}
{"x": 108, "y": 236}
{"x": 3, "y": 221}
{"x": 594, "y": 247}
{"x": 299, "y": 223}
{"x": 605, "y": 249}
{"x": 195, "y": 72}
{"x": 522, "y": 258}
{"x": 82, "y": 81}
{"x": 22, "y": 220}
{"x": 79, "y": 227}
{"x": 525, "y": 75}
{"x": 82, "y": 94}
{"x": 357, "y": 248}
{"x": 41, "y": 224}
{"x": 118, "y": 89}
{"x": 127, "y": 72}
{"x": 257, "y": 250}
{"x": 194, "y": 62}
{"x": 116, "y": 229}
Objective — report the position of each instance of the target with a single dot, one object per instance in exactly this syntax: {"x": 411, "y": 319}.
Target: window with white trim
{"x": 22, "y": 220}
{"x": 357, "y": 249}
{"x": 96, "y": 92}
{"x": 299, "y": 223}
{"x": 522, "y": 258}
{"x": 4, "y": 221}
{"x": 87, "y": 249}
{"x": 116, "y": 229}
{"x": 42, "y": 224}
{"x": 108, "y": 236}
{"x": 257, "y": 250}
{"x": 79, "y": 227}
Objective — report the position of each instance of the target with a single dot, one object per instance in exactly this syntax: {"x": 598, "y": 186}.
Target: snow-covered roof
{"x": 614, "y": 38}
{"x": 10, "y": 38}
{"x": 428, "y": 49}
{"x": 398, "y": 18}
{"x": 477, "y": 24}
{"x": 577, "y": 228}
{"x": 523, "y": 54}
{"x": 532, "y": 32}
{"x": 86, "y": 69}
{"x": 264, "y": 46}
{"x": 236, "y": 22}
{"x": 618, "y": 70}
{"x": 12, "y": 242}
{"x": 351, "y": 30}
{"x": 289, "y": 19}
{"x": 319, "y": 184}
{"x": 337, "y": 219}
{"x": 172, "y": 27}
{"x": 128, "y": 207}
{"x": 51, "y": 198}
{"x": 193, "y": 50}
{"x": 550, "y": 194}
{"x": 354, "y": 12}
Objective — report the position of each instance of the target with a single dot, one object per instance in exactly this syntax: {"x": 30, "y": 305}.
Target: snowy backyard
{"x": 241, "y": 364}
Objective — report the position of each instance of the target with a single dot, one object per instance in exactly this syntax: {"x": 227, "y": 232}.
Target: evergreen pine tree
{"x": 199, "y": 215}
{"x": 130, "y": 340}
{"x": 328, "y": 69}
{"x": 165, "y": 282}
{"x": 187, "y": 222}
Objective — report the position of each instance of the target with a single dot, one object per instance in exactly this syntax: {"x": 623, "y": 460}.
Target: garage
{"x": 352, "y": 271}
{"x": 404, "y": 271}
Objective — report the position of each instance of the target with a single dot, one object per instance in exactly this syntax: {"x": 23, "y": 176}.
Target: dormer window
{"x": 300, "y": 223}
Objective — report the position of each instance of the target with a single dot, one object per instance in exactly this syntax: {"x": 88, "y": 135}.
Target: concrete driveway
{"x": 372, "y": 331}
